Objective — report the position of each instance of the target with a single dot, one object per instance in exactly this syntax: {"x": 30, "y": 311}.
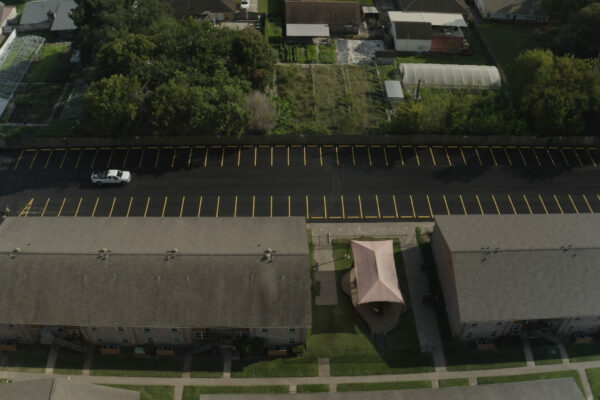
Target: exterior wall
{"x": 419, "y": 46}
{"x": 343, "y": 29}
{"x": 42, "y": 26}
{"x": 487, "y": 330}
{"x": 579, "y": 325}
{"x": 280, "y": 336}
{"x": 445, "y": 269}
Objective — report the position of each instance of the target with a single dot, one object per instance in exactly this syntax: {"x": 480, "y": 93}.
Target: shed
{"x": 307, "y": 30}
{"x": 435, "y": 19}
{"x": 412, "y": 36}
{"x": 393, "y": 91}
{"x": 451, "y": 76}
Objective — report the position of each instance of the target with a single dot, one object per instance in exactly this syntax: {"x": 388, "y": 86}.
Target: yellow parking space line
{"x": 205, "y": 156}
{"x": 222, "y": 156}
{"x": 129, "y": 206}
{"x": 536, "y": 157}
{"x": 496, "y": 204}
{"x": 401, "y": 155}
{"x": 385, "y": 157}
{"x": 448, "y": 155}
{"x": 78, "y": 158}
{"x": 289, "y": 205}
{"x": 320, "y": 155}
{"x": 96, "y": 206}
{"x": 360, "y": 206}
{"x": 412, "y": 205}
{"x": 199, "y": 206}
{"x": 550, "y": 157}
{"x": 218, "y": 205}
{"x": 577, "y": 156}
{"x": 48, "y": 159}
{"x": 479, "y": 203}
{"x": 588, "y": 204}
{"x": 591, "y": 157}
{"x": 343, "y": 207}
{"x": 78, "y": 206}
{"x": 432, "y": 156}
{"x": 125, "y": 158}
{"x": 417, "y": 156}
{"x": 147, "y": 204}
{"x": 141, "y": 157}
{"x": 19, "y": 159}
{"x": 235, "y": 207}
{"x": 112, "y": 151}
{"x": 174, "y": 157}
{"x": 463, "y": 203}
{"x": 181, "y": 208}
{"x": 558, "y": 204}
{"x": 493, "y": 155}
{"x": 429, "y": 204}
{"x": 378, "y": 209}
{"x": 507, "y": 156}
{"x": 446, "y": 203}
{"x": 573, "y": 204}
{"x": 477, "y": 154}
{"x": 543, "y": 204}
{"x": 522, "y": 156}
{"x": 94, "y": 159}
{"x": 337, "y": 157}
{"x": 511, "y": 204}
{"x": 303, "y": 150}
{"x": 162, "y": 215}
{"x": 189, "y": 160}
{"x": 395, "y": 206}
{"x": 462, "y": 153}
{"x": 527, "y": 202}
{"x": 33, "y": 160}
{"x": 307, "y": 213}
{"x": 25, "y": 211}
{"x": 112, "y": 207}
{"x": 324, "y": 206}
{"x": 369, "y": 154}
{"x": 353, "y": 157}
{"x": 253, "y": 205}
{"x": 157, "y": 157}
{"x": 46, "y": 206}
{"x": 564, "y": 156}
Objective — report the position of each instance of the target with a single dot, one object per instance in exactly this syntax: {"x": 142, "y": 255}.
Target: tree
{"x": 556, "y": 95}
{"x": 112, "y": 106}
{"x": 130, "y": 54}
{"x": 561, "y": 9}
{"x": 579, "y": 35}
{"x": 253, "y": 57}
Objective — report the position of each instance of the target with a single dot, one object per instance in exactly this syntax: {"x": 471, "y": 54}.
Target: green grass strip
{"x": 352, "y": 387}
{"x": 312, "y": 388}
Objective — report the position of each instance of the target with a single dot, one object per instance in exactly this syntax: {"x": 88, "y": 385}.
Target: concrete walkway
{"x": 325, "y": 275}
{"x": 51, "y": 360}
{"x": 324, "y": 367}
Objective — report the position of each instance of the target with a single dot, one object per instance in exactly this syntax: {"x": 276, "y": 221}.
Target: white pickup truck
{"x": 111, "y": 176}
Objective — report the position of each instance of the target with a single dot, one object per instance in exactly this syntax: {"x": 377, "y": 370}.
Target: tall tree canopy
{"x": 580, "y": 34}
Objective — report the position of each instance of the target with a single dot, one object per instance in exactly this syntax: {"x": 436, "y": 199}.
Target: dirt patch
{"x": 357, "y": 51}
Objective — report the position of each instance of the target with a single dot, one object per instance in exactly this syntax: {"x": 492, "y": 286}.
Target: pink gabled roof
{"x": 375, "y": 269}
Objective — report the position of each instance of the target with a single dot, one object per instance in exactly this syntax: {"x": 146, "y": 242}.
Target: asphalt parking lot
{"x": 318, "y": 182}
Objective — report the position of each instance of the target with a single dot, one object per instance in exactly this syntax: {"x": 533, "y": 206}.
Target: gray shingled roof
{"x": 517, "y": 267}
{"x": 554, "y": 389}
{"x": 36, "y": 12}
{"x": 524, "y": 7}
{"x": 322, "y": 12}
{"x": 413, "y": 30}
{"x": 62, "y": 389}
{"x": 217, "y": 277}
{"x": 62, "y": 20}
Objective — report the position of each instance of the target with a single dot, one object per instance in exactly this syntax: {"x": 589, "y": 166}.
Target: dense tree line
{"x": 158, "y": 75}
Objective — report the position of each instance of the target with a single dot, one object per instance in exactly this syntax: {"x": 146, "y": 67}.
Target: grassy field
{"x": 532, "y": 377}
{"x": 69, "y": 363}
{"x": 207, "y": 367}
{"x": 127, "y": 364}
{"x": 593, "y": 375}
{"x": 359, "y": 387}
{"x": 340, "y": 334}
{"x": 32, "y": 103}
{"x": 150, "y": 392}
{"x": 27, "y": 359}
{"x": 194, "y": 392}
{"x": 454, "y": 382}
{"x": 583, "y": 352}
{"x": 316, "y": 388}
{"x": 270, "y": 7}
{"x": 280, "y": 367}
{"x": 52, "y": 64}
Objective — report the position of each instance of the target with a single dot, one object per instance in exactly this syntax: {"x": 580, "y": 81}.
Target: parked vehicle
{"x": 111, "y": 176}
{"x": 245, "y": 4}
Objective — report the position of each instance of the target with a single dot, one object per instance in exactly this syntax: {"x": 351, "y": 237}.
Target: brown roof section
{"x": 376, "y": 277}
{"x": 322, "y": 12}
{"x": 184, "y": 8}
{"x": 446, "y": 6}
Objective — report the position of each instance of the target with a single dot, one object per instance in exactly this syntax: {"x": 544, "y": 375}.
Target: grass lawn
{"x": 583, "y": 352}
{"x": 462, "y": 357}
{"x": 321, "y": 388}
{"x": 127, "y": 364}
{"x": 26, "y": 359}
{"x": 52, "y": 64}
{"x": 507, "y": 41}
{"x": 532, "y": 377}
{"x": 60, "y": 128}
{"x": 480, "y": 55}
{"x": 454, "y": 382}
{"x": 327, "y": 54}
{"x": 207, "y": 367}
{"x": 359, "y": 387}
{"x": 33, "y": 103}
{"x": 274, "y": 28}
{"x": 339, "y": 333}
{"x": 69, "y": 363}
{"x": 193, "y": 392}
{"x": 270, "y": 7}
{"x": 150, "y": 392}
{"x": 545, "y": 353}
{"x": 279, "y": 367}
{"x": 593, "y": 375}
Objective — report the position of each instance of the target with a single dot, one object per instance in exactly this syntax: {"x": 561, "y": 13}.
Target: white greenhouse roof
{"x": 307, "y": 30}
{"x": 451, "y": 76}
{"x": 435, "y": 19}
{"x": 393, "y": 90}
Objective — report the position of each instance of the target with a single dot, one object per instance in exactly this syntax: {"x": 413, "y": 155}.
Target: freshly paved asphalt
{"x": 317, "y": 182}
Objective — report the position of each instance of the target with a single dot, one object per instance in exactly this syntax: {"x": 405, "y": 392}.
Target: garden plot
{"x": 294, "y": 84}
{"x": 367, "y": 99}
{"x": 33, "y": 103}
{"x": 331, "y": 97}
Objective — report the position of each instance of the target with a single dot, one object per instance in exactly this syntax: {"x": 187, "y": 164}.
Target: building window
{"x": 146, "y": 330}
{"x": 265, "y": 330}
{"x": 176, "y": 340}
{"x": 469, "y": 335}
{"x": 124, "y": 341}
{"x": 150, "y": 340}
{"x": 199, "y": 335}
{"x": 473, "y": 325}
{"x": 291, "y": 329}
{"x": 99, "y": 341}
{"x": 494, "y": 333}
{"x": 120, "y": 329}
{"x": 498, "y": 323}
{"x": 11, "y": 326}
{"x": 576, "y": 318}
{"x": 93, "y": 328}
{"x": 292, "y": 341}
{"x": 174, "y": 330}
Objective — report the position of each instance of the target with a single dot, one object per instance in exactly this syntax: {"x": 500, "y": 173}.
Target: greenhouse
{"x": 451, "y": 76}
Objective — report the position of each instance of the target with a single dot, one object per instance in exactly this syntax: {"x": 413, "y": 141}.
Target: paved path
{"x": 324, "y": 367}
{"x": 325, "y": 273}
{"x": 51, "y": 360}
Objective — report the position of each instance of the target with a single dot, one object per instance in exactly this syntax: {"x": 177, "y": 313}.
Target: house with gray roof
{"x": 512, "y": 10}
{"x": 53, "y": 15}
{"x": 135, "y": 281}
{"x": 552, "y": 389}
{"x": 62, "y": 389}
{"x": 503, "y": 274}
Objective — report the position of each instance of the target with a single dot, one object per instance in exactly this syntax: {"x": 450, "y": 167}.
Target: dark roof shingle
{"x": 322, "y": 12}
